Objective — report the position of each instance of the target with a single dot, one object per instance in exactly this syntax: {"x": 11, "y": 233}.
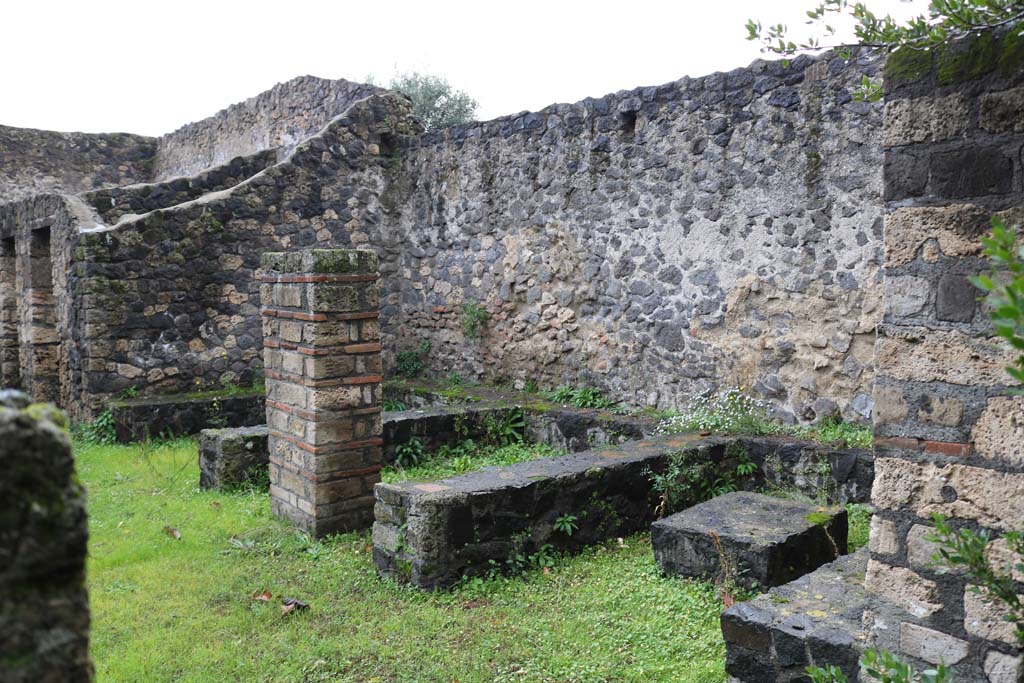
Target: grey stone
{"x": 769, "y": 541}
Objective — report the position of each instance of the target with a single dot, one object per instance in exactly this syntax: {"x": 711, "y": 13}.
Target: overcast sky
{"x": 150, "y": 67}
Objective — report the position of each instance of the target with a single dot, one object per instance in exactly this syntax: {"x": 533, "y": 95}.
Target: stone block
{"x": 883, "y": 539}
{"x": 922, "y": 355}
{"x": 941, "y": 410}
{"x": 905, "y": 295}
{"x": 230, "y": 458}
{"x": 999, "y": 431}
{"x": 972, "y": 171}
{"x": 1003, "y": 668}
{"x": 1000, "y": 111}
{"x": 930, "y": 645}
{"x": 903, "y": 587}
{"x": 986, "y": 618}
{"x": 956, "y": 299}
{"x": 992, "y": 498}
{"x": 768, "y": 541}
{"x": 44, "y": 607}
{"x": 923, "y": 119}
{"x": 957, "y": 228}
{"x": 890, "y": 405}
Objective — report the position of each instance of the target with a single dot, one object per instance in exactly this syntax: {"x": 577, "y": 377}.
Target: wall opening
{"x": 627, "y": 122}
{"x": 40, "y": 375}
{"x": 10, "y": 365}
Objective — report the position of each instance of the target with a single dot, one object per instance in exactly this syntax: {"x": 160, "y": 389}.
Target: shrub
{"x": 473, "y": 317}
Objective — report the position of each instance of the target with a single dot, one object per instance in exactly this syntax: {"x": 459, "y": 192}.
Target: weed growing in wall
{"x": 410, "y": 363}
{"x": 99, "y": 432}
{"x": 473, "y": 317}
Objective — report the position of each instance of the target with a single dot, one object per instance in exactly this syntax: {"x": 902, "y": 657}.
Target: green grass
{"x": 441, "y": 466}
{"x": 181, "y": 610}
{"x": 859, "y": 517}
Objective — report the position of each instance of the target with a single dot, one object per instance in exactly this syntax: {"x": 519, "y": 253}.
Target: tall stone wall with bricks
{"x": 44, "y": 607}
{"x": 950, "y": 438}
{"x": 321, "y": 341}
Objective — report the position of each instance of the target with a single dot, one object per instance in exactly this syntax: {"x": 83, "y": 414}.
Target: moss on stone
{"x": 907, "y": 66}
{"x": 47, "y": 412}
{"x": 818, "y": 518}
{"x": 966, "y": 61}
{"x": 1011, "y": 54}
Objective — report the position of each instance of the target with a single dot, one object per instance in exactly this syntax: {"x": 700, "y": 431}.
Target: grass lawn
{"x": 167, "y": 609}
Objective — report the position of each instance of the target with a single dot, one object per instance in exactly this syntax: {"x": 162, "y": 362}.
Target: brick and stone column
{"x": 949, "y": 436}
{"x": 321, "y": 339}
{"x": 44, "y": 607}
{"x": 10, "y": 366}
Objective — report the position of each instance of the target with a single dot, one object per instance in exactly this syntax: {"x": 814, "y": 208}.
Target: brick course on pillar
{"x": 321, "y": 339}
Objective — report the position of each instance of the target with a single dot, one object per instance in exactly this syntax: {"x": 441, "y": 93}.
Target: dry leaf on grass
{"x": 172, "y": 532}
{"x": 265, "y": 596}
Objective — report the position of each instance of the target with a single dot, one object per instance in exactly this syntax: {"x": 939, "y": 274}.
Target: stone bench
{"x": 767, "y": 541}
{"x": 230, "y": 458}
{"x": 151, "y": 417}
{"x": 432, "y": 534}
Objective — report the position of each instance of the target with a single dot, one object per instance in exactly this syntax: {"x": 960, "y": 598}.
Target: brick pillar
{"x": 948, "y": 431}
{"x": 321, "y": 340}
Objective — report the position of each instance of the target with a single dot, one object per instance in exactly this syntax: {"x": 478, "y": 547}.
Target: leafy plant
{"x": 567, "y": 524}
{"x": 687, "y": 481}
{"x": 967, "y": 548}
{"x": 580, "y": 397}
{"x": 1006, "y": 294}
{"x": 391, "y": 404}
{"x": 454, "y": 380}
{"x": 410, "y": 453}
{"x": 505, "y": 430}
{"x": 884, "y": 667}
{"x": 410, "y": 363}
{"x": 473, "y": 317}
{"x": 101, "y": 431}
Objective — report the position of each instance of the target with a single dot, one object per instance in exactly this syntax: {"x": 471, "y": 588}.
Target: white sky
{"x": 150, "y": 67}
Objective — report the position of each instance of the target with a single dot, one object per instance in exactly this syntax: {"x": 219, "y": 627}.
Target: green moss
{"x": 907, "y": 66}
{"x": 818, "y": 518}
{"x": 966, "y": 61}
{"x": 1011, "y": 54}
{"x": 44, "y": 411}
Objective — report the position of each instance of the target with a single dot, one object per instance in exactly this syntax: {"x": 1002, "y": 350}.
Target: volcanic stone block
{"x": 229, "y": 458}
{"x": 44, "y": 607}
{"x": 767, "y": 541}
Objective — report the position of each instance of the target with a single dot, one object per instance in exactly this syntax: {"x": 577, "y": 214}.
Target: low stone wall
{"x": 232, "y": 458}
{"x": 44, "y": 607}
{"x": 181, "y": 415}
{"x": 441, "y": 425}
{"x": 432, "y": 533}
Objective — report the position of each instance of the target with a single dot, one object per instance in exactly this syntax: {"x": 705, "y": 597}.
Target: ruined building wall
{"x": 35, "y": 161}
{"x": 724, "y": 230}
{"x": 279, "y": 118}
{"x": 169, "y": 301}
{"x": 950, "y": 439}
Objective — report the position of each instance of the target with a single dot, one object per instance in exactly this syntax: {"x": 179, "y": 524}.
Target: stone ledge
{"x": 185, "y": 414}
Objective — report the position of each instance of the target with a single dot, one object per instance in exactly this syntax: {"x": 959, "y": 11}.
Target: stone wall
{"x": 170, "y": 298}
{"x": 38, "y": 236}
{"x": 948, "y": 434}
{"x": 279, "y": 118}
{"x": 658, "y": 242}
{"x": 44, "y": 607}
{"x": 34, "y": 161}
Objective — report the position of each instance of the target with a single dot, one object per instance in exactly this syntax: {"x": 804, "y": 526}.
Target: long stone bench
{"x": 432, "y": 534}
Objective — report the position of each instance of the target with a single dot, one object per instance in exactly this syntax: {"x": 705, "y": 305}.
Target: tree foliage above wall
{"x": 434, "y": 101}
